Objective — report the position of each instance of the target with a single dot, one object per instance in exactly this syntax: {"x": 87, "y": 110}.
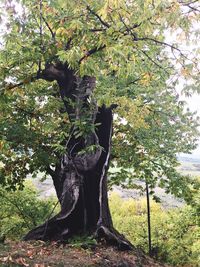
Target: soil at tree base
{"x": 41, "y": 254}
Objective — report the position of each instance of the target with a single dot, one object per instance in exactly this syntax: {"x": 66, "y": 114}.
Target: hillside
{"x": 188, "y": 166}
{"x": 39, "y": 254}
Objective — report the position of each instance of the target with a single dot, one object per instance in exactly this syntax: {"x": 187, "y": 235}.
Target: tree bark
{"x": 80, "y": 179}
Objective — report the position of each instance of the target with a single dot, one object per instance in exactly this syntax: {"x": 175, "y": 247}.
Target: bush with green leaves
{"x": 22, "y": 210}
{"x": 175, "y": 232}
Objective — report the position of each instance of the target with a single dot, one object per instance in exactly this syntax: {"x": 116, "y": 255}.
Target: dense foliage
{"x": 175, "y": 232}
{"x": 136, "y": 51}
{"x": 22, "y": 210}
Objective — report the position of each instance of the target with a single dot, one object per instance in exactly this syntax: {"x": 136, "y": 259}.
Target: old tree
{"x": 66, "y": 66}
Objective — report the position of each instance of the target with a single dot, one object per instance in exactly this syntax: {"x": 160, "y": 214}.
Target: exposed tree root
{"x": 113, "y": 237}
{"x": 55, "y": 233}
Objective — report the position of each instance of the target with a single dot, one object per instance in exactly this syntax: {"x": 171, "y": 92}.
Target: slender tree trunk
{"x": 80, "y": 180}
{"x": 148, "y": 219}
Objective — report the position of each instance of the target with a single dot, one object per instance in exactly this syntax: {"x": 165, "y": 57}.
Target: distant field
{"x": 189, "y": 166}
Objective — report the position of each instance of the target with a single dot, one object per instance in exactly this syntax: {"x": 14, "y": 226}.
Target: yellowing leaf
{"x": 146, "y": 79}
{"x": 61, "y": 32}
{"x": 185, "y": 72}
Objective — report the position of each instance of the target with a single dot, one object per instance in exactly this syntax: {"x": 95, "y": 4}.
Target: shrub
{"x": 21, "y": 211}
{"x": 175, "y": 232}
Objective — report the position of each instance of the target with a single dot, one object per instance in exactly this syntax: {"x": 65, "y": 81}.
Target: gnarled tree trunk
{"x": 80, "y": 179}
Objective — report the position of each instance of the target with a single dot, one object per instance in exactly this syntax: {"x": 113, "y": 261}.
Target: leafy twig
{"x": 92, "y": 51}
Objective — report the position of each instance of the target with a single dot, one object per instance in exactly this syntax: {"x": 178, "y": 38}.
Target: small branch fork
{"x": 191, "y": 5}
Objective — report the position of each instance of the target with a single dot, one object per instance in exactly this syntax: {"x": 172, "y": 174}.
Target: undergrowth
{"x": 175, "y": 232}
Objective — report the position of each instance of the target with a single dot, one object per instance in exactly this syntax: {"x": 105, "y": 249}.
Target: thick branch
{"x": 50, "y": 73}
{"x": 50, "y": 171}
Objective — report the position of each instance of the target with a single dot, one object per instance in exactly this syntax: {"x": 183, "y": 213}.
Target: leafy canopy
{"x": 137, "y": 52}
